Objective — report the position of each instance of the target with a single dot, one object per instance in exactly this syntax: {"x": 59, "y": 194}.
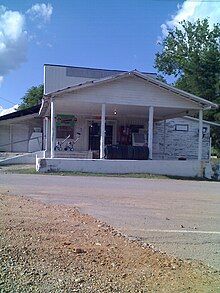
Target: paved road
{"x": 176, "y": 216}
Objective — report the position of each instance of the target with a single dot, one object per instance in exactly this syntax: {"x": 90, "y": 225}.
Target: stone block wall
{"x": 171, "y": 143}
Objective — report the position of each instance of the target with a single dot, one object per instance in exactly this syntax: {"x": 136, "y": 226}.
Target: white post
{"x": 164, "y": 139}
{"x": 53, "y": 128}
{"x": 150, "y": 131}
{"x": 102, "y": 138}
{"x": 45, "y": 138}
{"x": 46, "y": 133}
{"x": 200, "y": 135}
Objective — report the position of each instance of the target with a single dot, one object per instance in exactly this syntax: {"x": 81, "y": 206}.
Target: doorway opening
{"x": 95, "y": 134}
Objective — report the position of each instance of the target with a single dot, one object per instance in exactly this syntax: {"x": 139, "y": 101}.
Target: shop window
{"x": 65, "y": 131}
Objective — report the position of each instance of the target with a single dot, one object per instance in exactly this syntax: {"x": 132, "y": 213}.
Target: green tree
{"x": 32, "y": 97}
{"x": 191, "y": 53}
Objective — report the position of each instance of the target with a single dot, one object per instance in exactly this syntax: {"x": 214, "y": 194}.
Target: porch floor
{"x": 188, "y": 168}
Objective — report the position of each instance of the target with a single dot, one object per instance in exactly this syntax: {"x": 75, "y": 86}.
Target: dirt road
{"x": 46, "y": 248}
{"x": 177, "y": 216}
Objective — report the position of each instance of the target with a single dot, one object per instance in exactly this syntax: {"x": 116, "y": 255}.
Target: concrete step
{"x": 74, "y": 154}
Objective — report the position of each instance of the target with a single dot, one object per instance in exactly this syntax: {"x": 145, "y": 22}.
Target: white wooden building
{"x": 84, "y": 110}
{"x": 17, "y": 130}
{"x": 118, "y": 104}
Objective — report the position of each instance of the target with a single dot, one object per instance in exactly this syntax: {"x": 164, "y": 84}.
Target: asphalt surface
{"x": 177, "y": 216}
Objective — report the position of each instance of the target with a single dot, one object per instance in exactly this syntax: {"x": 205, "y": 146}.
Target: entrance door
{"x": 95, "y": 133}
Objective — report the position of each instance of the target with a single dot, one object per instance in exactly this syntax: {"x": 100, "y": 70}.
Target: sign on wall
{"x": 65, "y": 120}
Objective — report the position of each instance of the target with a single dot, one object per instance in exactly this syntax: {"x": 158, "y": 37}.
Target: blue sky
{"x": 93, "y": 33}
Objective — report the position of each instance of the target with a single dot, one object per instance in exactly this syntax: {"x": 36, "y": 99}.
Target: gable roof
{"x": 204, "y": 103}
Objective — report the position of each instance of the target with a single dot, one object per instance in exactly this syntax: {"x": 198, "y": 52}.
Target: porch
{"x": 113, "y": 132}
{"x": 119, "y": 111}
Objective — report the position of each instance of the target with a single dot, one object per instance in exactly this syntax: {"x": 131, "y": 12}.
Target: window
{"x": 182, "y": 127}
{"x": 64, "y": 131}
{"x": 65, "y": 125}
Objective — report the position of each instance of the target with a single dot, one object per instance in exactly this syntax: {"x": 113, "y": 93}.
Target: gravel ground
{"x": 54, "y": 248}
{"x": 157, "y": 210}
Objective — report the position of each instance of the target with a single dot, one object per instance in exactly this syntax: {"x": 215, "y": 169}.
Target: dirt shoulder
{"x": 48, "y": 248}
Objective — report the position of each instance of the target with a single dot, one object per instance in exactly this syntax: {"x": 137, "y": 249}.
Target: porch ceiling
{"x": 114, "y": 110}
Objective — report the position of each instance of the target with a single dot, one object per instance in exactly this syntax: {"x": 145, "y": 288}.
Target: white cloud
{"x": 41, "y": 11}
{"x": 4, "y": 111}
{"x": 16, "y": 32}
{"x": 13, "y": 40}
{"x": 191, "y": 11}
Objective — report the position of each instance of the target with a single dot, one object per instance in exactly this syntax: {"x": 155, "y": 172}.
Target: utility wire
{"x": 33, "y": 112}
{"x": 6, "y": 100}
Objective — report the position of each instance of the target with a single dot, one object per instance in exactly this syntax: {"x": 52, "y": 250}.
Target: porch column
{"x": 200, "y": 135}
{"x": 150, "y": 131}
{"x": 52, "y": 128}
{"x": 102, "y": 138}
{"x": 45, "y": 134}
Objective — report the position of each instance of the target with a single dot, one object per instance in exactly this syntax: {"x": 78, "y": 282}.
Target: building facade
{"x": 87, "y": 111}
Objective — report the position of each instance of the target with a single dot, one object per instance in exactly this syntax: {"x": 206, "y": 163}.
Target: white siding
{"x": 5, "y": 138}
{"x": 12, "y": 132}
{"x": 129, "y": 91}
{"x": 55, "y": 78}
{"x": 20, "y": 132}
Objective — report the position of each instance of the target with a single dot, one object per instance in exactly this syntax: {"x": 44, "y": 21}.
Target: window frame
{"x": 181, "y": 127}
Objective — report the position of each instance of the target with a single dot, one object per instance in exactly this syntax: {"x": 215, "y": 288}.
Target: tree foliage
{"x": 32, "y": 97}
{"x": 191, "y": 53}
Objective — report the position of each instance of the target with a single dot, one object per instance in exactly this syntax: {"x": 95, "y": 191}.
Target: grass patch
{"x": 22, "y": 171}
{"x": 72, "y": 173}
{"x": 32, "y": 170}
{"x": 128, "y": 175}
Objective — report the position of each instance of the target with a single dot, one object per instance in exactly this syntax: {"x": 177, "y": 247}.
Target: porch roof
{"x": 123, "y": 91}
{"x": 185, "y": 95}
